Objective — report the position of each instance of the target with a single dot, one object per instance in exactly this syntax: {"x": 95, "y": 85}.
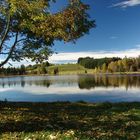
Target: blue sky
{"x": 117, "y": 31}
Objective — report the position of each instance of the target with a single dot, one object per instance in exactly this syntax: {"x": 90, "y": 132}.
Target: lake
{"x": 89, "y": 88}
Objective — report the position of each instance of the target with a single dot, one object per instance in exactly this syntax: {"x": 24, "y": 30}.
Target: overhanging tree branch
{"x": 4, "y": 53}
{"x": 11, "y": 51}
{"x": 5, "y": 34}
{"x": 38, "y": 29}
{"x": 20, "y": 40}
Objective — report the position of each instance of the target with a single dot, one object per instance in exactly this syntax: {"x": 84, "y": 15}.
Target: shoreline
{"x": 69, "y": 102}
{"x": 98, "y": 74}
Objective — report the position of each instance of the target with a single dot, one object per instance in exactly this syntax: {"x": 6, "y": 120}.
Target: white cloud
{"x": 17, "y": 64}
{"x": 127, "y": 3}
{"x": 73, "y": 56}
{"x": 62, "y": 90}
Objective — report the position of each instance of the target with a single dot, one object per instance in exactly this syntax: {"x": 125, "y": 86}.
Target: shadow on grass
{"x": 119, "y": 120}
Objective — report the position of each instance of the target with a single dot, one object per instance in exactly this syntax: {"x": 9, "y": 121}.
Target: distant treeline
{"x": 38, "y": 68}
{"x": 92, "y": 63}
{"x": 102, "y": 65}
{"x": 124, "y": 65}
{"x": 110, "y": 65}
{"x": 13, "y": 71}
{"x": 22, "y": 70}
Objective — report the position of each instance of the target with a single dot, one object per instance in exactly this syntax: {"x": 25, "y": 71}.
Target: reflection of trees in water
{"x": 84, "y": 82}
{"x": 23, "y": 83}
{"x": 44, "y": 82}
{"x": 88, "y": 82}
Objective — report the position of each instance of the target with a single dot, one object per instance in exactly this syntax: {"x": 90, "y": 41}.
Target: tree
{"x": 104, "y": 68}
{"x": 138, "y": 63}
{"x": 41, "y": 69}
{"x": 111, "y": 67}
{"x": 133, "y": 68}
{"x": 22, "y": 69}
{"x": 125, "y": 64}
{"x": 92, "y": 63}
{"x": 56, "y": 71}
{"x": 32, "y": 29}
{"x": 120, "y": 65}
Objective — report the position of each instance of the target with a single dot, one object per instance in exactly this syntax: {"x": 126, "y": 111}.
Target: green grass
{"x": 69, "y": 69}
{"x": 78, "y": 69}
{"x": 69, "y": 121}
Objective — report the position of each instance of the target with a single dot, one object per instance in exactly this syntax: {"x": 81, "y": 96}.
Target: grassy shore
{"x": 64, "y": 69}
{"x": 69, "y": 121}
{"x": 68, "y": 69}
{"x": 72, "y": 69}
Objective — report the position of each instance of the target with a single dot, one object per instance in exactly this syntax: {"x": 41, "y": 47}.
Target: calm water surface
{"x": 87, "y": 88}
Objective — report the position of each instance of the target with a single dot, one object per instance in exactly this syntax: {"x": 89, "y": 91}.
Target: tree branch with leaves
{"x": 28, "y": 29}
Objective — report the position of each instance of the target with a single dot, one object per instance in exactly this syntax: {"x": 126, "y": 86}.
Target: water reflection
{"x": 88, "y": 82}
{"x": 23, "y": 82}
{"x": 83, "y": 81}
{"x": 71, "y": 88}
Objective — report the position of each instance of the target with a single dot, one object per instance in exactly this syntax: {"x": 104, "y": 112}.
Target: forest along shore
{"x": 61, "y": 69}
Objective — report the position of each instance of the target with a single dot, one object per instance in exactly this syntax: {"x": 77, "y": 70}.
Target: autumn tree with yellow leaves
{"x": 28, "y": 29}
